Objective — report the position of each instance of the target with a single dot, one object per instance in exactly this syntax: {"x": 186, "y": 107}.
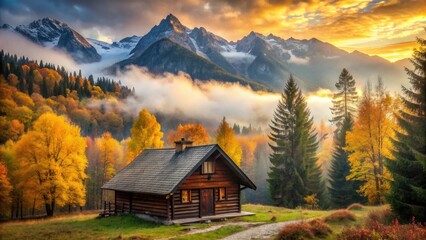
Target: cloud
{"x": 392, "y": 52}
{"x": 206, "y": 102}
{"x": 16, "y": 44}
{"x": 345, "y": 23}
{"x": 297, "y": 60}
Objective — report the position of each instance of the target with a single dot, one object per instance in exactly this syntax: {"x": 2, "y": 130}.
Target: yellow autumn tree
{"x": 145, "y": 133}
{"x": 193, "y": 132}
{"x": 226, "y": 139}
{"x": 51, "y": 156}
{"x": 5, "y": 191}
{"x": 109, "y": 154}
{"x": 109, "y": 157}
{"x": 369, "y": 143}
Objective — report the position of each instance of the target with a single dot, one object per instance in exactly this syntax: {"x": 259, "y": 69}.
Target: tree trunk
{"x": 22, "y": 207}
{"x": 17, "y": 208}
{"x": 34, "y": 202}
{"x": 48, "y": 210}
{"x": 11, "y": 210}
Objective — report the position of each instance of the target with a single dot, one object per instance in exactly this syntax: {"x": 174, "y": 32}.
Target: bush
{"x": 376, "y": 230}
{"x": 355, "y": 207}
{"x": 383, "y": 216}
{"x": 311, "y": 201}
{"x": 295, "y": 231}
{"x": 355, "y": 234}
{"x": 340, "y": 216}
{"x": 319, "y": 228}
{"x": 305, "y": 230}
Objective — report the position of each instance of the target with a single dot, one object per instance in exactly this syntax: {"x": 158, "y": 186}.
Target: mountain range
{"x": 259, "y": 61}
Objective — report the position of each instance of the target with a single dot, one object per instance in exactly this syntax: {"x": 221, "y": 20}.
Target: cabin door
{"x": 207, "y": 202}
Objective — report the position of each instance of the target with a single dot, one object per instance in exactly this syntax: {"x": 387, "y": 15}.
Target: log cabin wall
{"x": 150, "y": 204}
{"x": 222, "y": 177}
{"x": 139, "y": 203}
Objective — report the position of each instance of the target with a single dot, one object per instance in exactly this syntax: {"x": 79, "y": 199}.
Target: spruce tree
{"x": 408, "y": 168}
{"x": 294, "y": 172}
{"x": 342, "y": 192}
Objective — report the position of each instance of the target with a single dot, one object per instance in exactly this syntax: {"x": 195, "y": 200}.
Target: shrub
{"x": 340, "y": 216}
{"x": 295, "y": 231}
{"x": 376, "y": 230}
{"x": 319, "y": 228}
{"x": 383, "y": 216}
{"x": 311, "y": 201}
{"x": 355, "y": 207}
{"x": 355, "y": 234}
{"x": 305, "y": 230}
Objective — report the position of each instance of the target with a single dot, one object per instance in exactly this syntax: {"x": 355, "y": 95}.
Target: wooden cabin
{"x": 182, "y": 182}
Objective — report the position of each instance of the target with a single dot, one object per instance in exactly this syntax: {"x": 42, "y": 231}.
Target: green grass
{"x": 89, "y": 227}
{"x": 130, "y": 227}
{"x": 216, "y": 234}
{"x": 266, "y": 213}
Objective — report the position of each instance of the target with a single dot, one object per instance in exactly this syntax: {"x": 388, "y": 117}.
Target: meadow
{"x": 127, "y": 226}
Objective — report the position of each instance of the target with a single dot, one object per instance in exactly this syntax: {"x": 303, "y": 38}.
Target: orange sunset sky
{"x": 387, "y": 28}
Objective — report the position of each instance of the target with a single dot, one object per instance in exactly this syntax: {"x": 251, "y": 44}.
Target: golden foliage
{"x": 109, "y": 154}
{"x": 311, "y": 201}
{"x": 370, "y": 143}
{"x": 5, "y": 190}
{"x": 226, "y": 139}
{"x": 146, "y": 133}
{"x": 51, "y": 158}
{"x": 193, "y": 132}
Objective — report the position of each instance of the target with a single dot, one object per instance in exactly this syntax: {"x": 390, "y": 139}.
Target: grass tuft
{"x": 355, "y": 207}
{"x": 295, "y": 231}
{"x": 319, "y": 228}
{"x": 383, "y": 216}
{"x": 342, "y": 215}
{"x": 305, "y": 230}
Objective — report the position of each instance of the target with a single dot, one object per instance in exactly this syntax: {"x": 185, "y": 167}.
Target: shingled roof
{"x": 161, "y": 171}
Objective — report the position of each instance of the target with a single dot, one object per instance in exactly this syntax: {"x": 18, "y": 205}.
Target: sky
{"x": 387, "y": 28}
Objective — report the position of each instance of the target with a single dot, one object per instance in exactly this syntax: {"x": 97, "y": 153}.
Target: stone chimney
{"x": 182, "y": 144}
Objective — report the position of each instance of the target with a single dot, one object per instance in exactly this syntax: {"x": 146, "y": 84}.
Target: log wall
{"x": 154, "y": 205}
{"x": 223, "y": 177}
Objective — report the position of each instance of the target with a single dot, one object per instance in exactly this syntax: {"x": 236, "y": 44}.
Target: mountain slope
{"x": 167, "y": 56}
{"x": 268, "y": 60}
{"x": 52, "y": 33}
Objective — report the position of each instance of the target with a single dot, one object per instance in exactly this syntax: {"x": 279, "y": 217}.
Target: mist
{"x": 16, "y": 44}
{"x": 209, "y": 101}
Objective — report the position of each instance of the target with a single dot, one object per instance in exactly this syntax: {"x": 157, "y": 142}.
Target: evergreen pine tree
{"x": 343, "y": 192}
{"x": 408, "y": 168}
{"x": 294, "y": 172}
{"x": 44, "y": 89}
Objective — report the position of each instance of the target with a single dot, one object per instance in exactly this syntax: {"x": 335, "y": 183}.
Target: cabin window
{"x": 208, "y": 167}
{"x": 222, "y": 193}
{"x": 185, "y": 196}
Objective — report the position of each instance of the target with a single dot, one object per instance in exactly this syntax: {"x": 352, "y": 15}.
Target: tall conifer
{"x": 342, "y": 191}
{"x": 294, "y": 172}
{"x": 408, "y": 168}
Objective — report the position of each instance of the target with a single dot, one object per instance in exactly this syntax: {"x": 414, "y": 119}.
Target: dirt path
{"x": 215, "y": 227}
{"x": 265, "y": 231}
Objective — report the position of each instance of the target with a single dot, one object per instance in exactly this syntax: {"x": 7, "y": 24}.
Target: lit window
{"x": 222, "y": 193}
{"x": 208, "y": 167}
{"x": 186, "y": 196}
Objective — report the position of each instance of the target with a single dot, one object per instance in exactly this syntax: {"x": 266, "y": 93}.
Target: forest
{"x": 60, "y": 143}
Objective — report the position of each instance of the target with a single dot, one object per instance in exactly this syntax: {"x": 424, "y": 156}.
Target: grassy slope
{"x": 128, "y": 226}
{"x": 361, "y": 216}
